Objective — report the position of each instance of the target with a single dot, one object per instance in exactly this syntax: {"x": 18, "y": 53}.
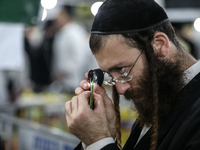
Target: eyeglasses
{"x": 123, "y": 78}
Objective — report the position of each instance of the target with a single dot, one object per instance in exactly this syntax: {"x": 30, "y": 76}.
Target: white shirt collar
{"x": 191, "y": 72}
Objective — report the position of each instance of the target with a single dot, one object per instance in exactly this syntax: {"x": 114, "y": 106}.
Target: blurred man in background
{"x": 69, "y": 50}
{"x": 38, "y": 46}
{"x": 12, "y": 63}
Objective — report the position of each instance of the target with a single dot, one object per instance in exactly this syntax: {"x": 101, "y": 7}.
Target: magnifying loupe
{"x": 95, "y": 76}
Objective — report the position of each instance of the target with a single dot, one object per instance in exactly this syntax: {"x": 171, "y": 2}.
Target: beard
{"x": 170, "y": 80}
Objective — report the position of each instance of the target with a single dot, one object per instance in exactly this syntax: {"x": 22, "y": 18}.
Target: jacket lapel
{"x": 132, "y": 140}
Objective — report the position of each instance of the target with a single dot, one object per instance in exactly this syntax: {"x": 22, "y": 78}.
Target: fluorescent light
{"x": 95, "y": 7}
{"x": 197, "y": 24}
{"x": 48, "y": 4}
{"x": 44, "y": 14}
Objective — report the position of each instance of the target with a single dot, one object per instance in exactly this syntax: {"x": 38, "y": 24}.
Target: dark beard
{"x": 169, "y": 82}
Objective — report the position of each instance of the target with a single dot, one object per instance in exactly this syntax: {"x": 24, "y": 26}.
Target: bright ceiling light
{"x": 44, "y": 15}
{"x": 48, "y": 4}
{"x": 95, "y": 7}
{"x": 197, "y": 24}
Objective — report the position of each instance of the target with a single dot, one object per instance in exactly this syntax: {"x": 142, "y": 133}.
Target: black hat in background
{"x": 126, "y": 16}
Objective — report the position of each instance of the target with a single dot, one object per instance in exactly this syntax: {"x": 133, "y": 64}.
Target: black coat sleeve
{"x": 194, "y": 143}
{"x": 192, "y": 124}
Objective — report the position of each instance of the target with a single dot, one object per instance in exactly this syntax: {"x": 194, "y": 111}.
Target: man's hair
{"x": 142, "y": 40}
{"x": 68, "y": 9}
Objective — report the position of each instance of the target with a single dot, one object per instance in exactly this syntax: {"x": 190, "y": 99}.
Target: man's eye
{"x": 122, "y": 69}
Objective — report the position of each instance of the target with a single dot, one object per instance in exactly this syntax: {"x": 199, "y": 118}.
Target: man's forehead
{"x": 115, "y": 54}
{"x": 113, "y": 46}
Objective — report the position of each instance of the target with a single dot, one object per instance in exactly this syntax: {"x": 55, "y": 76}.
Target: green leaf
{"x": 91, "y": 96}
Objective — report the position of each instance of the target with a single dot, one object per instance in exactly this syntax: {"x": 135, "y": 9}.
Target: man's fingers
{"x": 98, "y": 100}
{"x": 74, "y": 104}
{"x": 84, "y": 99}
{"x": 86, "y": 75}
{"x": 68, "y": 107}
{"x": 102, "y": 92}
{"x": 98, "y": 89}
{"x": 85, "y": 85}
{"x": 79, "y": 90}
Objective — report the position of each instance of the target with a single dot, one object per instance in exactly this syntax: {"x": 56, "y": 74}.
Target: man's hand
{"x": 87, "y": 124}
{"x": 110, "y": 112}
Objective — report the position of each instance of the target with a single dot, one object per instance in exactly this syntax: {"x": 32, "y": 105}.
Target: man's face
{"x": 116, "y": 58}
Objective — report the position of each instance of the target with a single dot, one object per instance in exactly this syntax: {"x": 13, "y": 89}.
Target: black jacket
{"x": 181, "y": 131}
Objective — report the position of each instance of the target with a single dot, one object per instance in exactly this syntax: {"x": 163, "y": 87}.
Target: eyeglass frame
{"x": 124, "y": 75}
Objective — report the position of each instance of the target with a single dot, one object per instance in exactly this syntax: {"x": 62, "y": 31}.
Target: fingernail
{"x": 85, "y": 85}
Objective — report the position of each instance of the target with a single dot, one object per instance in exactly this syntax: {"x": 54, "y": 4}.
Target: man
{"x": 12, "y": 64}
{"x": 134, "y": 42}
{"x": 69, "y": 50}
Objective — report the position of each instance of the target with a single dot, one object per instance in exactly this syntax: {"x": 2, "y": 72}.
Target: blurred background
{"x": 44, "y": 54}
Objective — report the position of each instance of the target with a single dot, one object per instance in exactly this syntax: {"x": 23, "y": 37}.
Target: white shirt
{"x": 190, "y": 73}
{"x": 70, "y": 47}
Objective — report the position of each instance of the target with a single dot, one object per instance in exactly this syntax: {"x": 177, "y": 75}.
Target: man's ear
{"x": 160, "y": 44}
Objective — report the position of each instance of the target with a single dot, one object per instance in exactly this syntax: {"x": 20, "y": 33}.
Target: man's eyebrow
{"x": 111, "y": 68}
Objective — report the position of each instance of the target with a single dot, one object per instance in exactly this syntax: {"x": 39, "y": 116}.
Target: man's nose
{"x": 122, "y": 87}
